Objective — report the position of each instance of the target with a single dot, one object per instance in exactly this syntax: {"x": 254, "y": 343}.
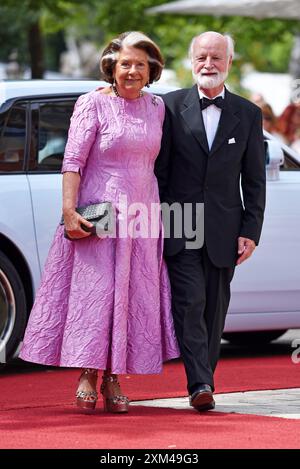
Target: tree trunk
{"x": 36, "y": 50}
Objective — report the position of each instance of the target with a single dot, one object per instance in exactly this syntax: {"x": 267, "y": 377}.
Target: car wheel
{"x": 13, "y": 316}
{"x": 252, "y": 339}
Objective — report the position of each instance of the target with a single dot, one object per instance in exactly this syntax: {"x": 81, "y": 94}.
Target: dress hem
{"x": 113, "y": 371}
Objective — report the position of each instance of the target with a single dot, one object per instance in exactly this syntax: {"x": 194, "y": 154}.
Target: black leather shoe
{"x": 202, "y": 398}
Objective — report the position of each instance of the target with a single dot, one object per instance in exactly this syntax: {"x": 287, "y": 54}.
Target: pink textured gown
{"x": 105, "y": 303}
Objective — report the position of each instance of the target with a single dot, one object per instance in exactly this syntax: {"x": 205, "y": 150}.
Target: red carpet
{"x": 37, "y": 411}
{"x": 61, "y": 427}
{"x": 57, "y": 386}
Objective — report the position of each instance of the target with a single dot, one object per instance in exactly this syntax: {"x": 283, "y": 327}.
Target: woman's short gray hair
{"x": 135, "y": 39}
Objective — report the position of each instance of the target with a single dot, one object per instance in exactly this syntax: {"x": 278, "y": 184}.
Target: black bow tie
{"x": 205, "y": 102}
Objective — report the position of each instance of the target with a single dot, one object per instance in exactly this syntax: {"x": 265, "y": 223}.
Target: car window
{"x": 289, "y": 163}
{"x": 13, "y": 138}
{"x": 51, "y": 127}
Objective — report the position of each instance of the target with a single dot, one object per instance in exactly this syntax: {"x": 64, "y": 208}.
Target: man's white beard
{"x": 209, "y": 82}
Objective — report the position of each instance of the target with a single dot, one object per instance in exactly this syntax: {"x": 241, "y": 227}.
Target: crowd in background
{"x": 286, "y": 126}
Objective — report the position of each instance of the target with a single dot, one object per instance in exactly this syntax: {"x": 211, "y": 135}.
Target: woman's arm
{"x": 82, "y": 133}
{"x": 73, "y": 220}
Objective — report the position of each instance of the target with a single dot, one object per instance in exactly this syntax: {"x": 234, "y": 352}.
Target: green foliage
{"x": 266, "y": 44}
{"x": 16, "y": 17}
{"x": 75, "y": 15}
{"x": 13, "y": 32}
{"x": 126, "y": 15}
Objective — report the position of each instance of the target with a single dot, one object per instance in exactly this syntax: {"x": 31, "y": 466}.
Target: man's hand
{"x": 245, "y": 249}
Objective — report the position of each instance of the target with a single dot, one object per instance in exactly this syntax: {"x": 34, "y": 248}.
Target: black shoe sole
{"x": 203, "y": 401}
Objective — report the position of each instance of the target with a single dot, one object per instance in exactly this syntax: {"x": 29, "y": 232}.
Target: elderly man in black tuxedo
{"x": 212, "y": 153}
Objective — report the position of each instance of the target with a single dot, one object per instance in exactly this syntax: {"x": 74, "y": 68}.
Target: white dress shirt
{"x": 211, "y": 116}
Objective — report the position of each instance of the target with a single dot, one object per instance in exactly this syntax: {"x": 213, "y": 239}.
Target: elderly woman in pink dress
{"x": 104, "y": 303}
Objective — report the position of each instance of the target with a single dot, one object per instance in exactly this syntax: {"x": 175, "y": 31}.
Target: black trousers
{"x": 200, "y": 300}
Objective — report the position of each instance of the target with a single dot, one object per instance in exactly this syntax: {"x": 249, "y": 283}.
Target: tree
{"x": 29, "y": 14}
{"x": 265, "y": 43}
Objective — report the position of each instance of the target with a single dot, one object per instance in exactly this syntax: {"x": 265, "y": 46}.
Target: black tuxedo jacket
{"x": 188, "y": 172}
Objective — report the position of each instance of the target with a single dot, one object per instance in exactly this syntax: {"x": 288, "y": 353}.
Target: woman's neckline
{"x": 138, "y": 98}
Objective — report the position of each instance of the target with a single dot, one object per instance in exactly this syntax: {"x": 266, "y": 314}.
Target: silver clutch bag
{"x": 101, "y": 215}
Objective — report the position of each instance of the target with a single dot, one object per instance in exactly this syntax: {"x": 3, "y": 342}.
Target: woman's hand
{"x": 72, "y": 225}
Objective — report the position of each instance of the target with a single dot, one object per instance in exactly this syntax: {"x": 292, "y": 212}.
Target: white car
{"x": 34, "y": 121}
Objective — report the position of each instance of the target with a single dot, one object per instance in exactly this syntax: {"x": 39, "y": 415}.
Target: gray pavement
{"x": 283, "y": 403}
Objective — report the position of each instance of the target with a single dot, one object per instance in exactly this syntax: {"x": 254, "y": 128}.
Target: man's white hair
{"x": 229, "y": 40}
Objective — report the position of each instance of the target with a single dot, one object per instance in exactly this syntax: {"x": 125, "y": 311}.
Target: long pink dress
{"x": 105, "y": 303}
